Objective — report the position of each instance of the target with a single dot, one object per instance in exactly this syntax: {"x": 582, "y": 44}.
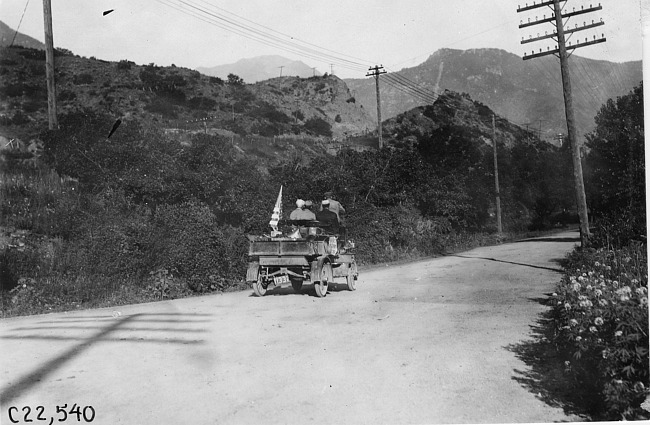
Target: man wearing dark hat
{"x": 334, "y": 205}
{"x": 328, "y": 218}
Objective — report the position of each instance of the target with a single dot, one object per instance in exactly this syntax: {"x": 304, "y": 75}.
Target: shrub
{"x": 83, "y": 78}
{"x": 601, "y": 319}
{"x": 319, "y": 126}
{"x": 202, "y": 103}
{"x": 190, "y": 241}
{"x": 124, "y": 65}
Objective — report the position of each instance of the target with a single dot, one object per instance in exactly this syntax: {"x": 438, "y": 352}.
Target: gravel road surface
{"x": 424, "y": 342}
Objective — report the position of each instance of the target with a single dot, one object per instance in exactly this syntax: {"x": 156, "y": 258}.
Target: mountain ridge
{"x": 525, "y": 92}
{"x": 260, "y": 68}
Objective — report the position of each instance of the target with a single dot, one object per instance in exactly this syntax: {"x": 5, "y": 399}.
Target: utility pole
{"x": 53, "y": 123}
{"x": 377, "y": 70}
{"x": 281, "y": 70}
{"x": 557, "y": 19}
{"x": 496, "y": 176}
{"x": 314, "y": 70}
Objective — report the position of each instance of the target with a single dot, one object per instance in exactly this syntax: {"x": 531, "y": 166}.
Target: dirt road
{"x": 426, "y": 342}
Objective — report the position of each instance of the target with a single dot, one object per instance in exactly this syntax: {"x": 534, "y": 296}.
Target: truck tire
{"x": 258, "y": 287}
{"x": 325, "y": 279}
{"x": 351, "y": 278}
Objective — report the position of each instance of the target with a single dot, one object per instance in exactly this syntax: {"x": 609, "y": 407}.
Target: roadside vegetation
{"x": 600, "y": 308}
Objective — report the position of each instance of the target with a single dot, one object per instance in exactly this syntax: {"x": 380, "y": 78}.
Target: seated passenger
{"x": 301, "y": 213}
{"x": 328, "y": 219}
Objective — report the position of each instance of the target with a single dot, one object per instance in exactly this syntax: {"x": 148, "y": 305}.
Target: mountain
{"x": 525, "y": 92}
{"x": 7, "y": 36}
{"x": 261, "y": 68}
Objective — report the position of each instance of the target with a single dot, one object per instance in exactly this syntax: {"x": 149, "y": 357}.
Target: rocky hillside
{"x": 460, "y": 112}
{"x": 261, "y": 68}
{"x": 178, "y": 99}
{"x": 527, "y": 92}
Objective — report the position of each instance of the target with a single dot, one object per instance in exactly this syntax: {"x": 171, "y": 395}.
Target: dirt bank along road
{"x": 425, "y": 342}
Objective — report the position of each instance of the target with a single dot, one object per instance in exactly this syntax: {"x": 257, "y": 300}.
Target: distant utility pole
{"x": 496, "y": 176}
{"x": 558, "y": 20}
{"x": 376, "y": 71}
{"x": 314, "y": 69}
{"x": 281, "y": 69}
{"x": 331, "y": 69}
{"x": 53, "y": 123}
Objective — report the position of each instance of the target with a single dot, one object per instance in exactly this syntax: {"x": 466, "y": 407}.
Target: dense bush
{"x": 318, "y": 126}
{"x": 193, "y": 244}
{"x": 83, "y": 78}
{"x": 601, "y": 320}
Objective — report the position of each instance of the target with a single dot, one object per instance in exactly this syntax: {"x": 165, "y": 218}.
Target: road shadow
{"x": 507, "y": 262}
{"x": 550, "y": 239}
{"x": 545, "y": 374}
{"x": 106, "y": 327}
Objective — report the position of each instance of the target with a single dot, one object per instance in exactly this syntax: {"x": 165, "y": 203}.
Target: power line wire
{"x": 21, "y": 21}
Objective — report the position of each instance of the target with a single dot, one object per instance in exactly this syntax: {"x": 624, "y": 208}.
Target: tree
{"x": 235, "y": 80}
{"x": 615, "y": 162}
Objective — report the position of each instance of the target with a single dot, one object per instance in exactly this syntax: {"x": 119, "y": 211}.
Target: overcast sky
{"x": 346, "y": 36}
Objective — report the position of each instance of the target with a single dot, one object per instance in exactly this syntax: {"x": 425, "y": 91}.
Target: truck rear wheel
{"x": 351, "y": 278}
{"x": 325, "y": 279}
{"x": 258, "y": 287}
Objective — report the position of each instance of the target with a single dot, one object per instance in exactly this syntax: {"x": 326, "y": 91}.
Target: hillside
{"x": 526, "y": 92}
{"x": 177, "y": 99}
{"x": 7, "y": 36}
{"x": 261, "y": 68}
{"x": 459, "y": 111}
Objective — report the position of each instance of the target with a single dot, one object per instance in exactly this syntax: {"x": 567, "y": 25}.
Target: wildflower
{"x": 643, "y": 301}
{"x": 599, "y": 321}
{"x": 590, "y": 274}
{"x": 554, "y": 294}
{"x": 635, "y": 281}
{"x": 618, "y": 381}
{"x": 618, "y": 333}
{"x": 608, "y": 268}
{"x": 615, "y": 283}
{"x": 585, "y": 303}
{"x": 589, "y": 287}
{"x": 605, "y": 354}
{"x": 584, "y": 274}
{"x": 567, "y": 306}
{"x": 593, "y": 329}
{"x": 598, "y": 292}
{"x": 597, "y": 264}
{"x": 642, "y": 290}
{"x": 625, "y": 298}
{"x": 573, "y": 322}
{"x": 578, "y": 338}
{"x": 576, "y": 287}
{"x": 602, "y": 302}
{"x": 638, "y": 386}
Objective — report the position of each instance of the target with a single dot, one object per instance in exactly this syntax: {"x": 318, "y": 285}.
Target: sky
{"x": 345, "y": 37}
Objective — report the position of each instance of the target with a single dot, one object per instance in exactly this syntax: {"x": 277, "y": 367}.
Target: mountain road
{"x": 432, "y": 341}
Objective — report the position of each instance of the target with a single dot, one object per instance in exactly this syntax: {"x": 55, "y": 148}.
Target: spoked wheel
{"x": 258, "y": 287}
{"x": 325, "y": 279}
{"x": 296, "y": 282}
{"x": 351, "y": 279}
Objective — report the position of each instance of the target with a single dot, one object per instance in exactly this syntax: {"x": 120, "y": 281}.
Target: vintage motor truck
{"x": 305, "y": 252}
